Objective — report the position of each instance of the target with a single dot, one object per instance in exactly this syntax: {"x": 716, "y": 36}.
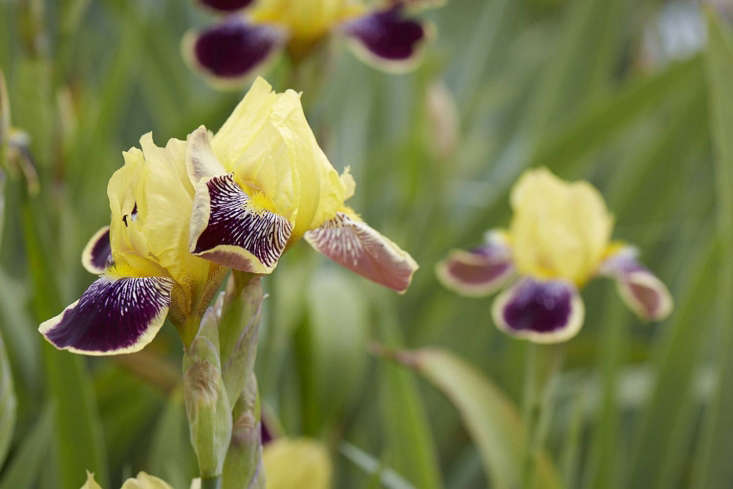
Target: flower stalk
{"x": 220, "y": 388}
{"x": 541, "y": 366}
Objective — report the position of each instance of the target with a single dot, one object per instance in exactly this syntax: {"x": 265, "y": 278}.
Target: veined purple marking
{"x": 232, "y": 221}
{"x": 356, "y": 246}
{"x": 112, "y": 314}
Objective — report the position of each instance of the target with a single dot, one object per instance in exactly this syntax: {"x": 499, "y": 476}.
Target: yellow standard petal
{"x": 559, "y": 230}
{"x": 151, "y": 198}
{"x": 271, "y": 150}
{"x": 306, "y": 20}
{"x": 297, "y": 464}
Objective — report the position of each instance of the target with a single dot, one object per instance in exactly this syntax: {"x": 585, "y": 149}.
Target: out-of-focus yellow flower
{"x": 559, "y": 230}
{"x": 142, "y": 481}
{"x": 558, "y": 239}
{"x": 297, "y": 464}
{"x": 379, "y": 33}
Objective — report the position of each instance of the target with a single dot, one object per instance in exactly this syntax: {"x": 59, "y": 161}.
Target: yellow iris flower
{"x": 382, "y": 33}
{"x": 182, "y": 214}
{"x": 559, "y": 237}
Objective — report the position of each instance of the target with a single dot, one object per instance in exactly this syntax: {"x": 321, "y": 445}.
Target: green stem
{"x": 211, "y": 483}
{"x": 541, "y": 364}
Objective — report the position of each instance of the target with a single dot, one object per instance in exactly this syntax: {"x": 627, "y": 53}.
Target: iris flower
{"x": 289, "y": 463}
{"x": 183, "y": 214}
{"x": 254, "y": 31}
{"x": 142, "y": 481}
{"x": 559, "y": 238}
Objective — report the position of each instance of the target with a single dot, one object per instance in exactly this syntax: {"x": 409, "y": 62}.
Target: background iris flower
{"x": 558, "y": 239}
{"x": 229, "y": 52}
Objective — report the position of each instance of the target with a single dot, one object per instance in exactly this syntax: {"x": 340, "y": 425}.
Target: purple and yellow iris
{"x": 184, "y": 214}
{"x": 254, "y": 31}
{"x": 558, "y": 240}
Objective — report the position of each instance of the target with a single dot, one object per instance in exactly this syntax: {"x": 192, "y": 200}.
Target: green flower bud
{"x": 207, "y": 404}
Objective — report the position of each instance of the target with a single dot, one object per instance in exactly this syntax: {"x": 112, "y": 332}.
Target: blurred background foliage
{"x": 633, "y": 95}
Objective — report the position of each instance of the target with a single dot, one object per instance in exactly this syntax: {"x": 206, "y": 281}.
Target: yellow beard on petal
{"x": 559, "y": 230}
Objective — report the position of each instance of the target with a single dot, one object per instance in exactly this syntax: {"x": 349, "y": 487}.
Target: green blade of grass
{"x": 604, "y": 119}
{"x": 171, "y": 457}
{"x": 76, "y": 421}
{"x": 25, "y": 468}
{"x": 677, "y": 357}
{"x": 714, "y": 469}
{"x": 338, "y": 327}
{"x": 7, "y": 403}
{"x": 410, "y": 445}
{"x": 388, "y": 477}
{"x": 491, "y": 419}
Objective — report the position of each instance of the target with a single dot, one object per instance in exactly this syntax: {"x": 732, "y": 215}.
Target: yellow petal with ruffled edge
{"x": 297, "y": 464}
{"x": 271, "y": 150}
{"x": 306, "y": 20}
{"x": 151, "y": 198}
{"x": 559, "y": 230}
{"x": 145, "y": 481}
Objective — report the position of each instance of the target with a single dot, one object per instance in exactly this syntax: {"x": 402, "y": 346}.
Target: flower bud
{"x": 297, "y": 463}
{"x": 443, "y": 123}
{"x": 243, "y": 466}
{"x": 207, "y": 405}
{"x": 238, "y": 330}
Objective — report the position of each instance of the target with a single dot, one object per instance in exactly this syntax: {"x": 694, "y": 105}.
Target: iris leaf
{"x": 491, "y": 419}
{"x": 170, "y": 456}
{"x": 388, "y": 477}
{"x": 30, "y": 459}
{"x": 714, "y": 469}
{"x": 7, "y": 403}
{"x": 338, "y": 336}
{"x": 410, "y": 446}
{"x": 68, "y": 383}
